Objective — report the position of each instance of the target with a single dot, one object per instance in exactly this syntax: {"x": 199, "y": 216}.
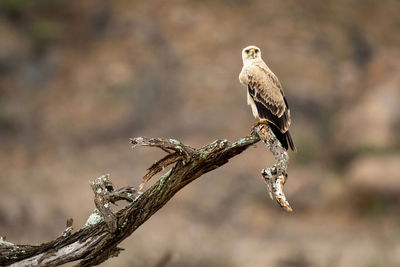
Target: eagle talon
{"x": 259, "y": 123}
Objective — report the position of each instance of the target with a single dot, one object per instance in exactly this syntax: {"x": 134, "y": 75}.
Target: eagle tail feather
{"x": 284, "y": 138}
{"x": 290, "y": 141}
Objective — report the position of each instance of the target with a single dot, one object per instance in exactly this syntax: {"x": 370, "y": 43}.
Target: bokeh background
{"x": 78, "y": 78}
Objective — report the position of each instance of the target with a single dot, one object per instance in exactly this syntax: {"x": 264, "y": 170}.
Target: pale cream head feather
{"x": 251, "y": 53}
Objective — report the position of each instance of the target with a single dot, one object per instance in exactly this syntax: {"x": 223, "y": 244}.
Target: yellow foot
{"x": 259, "y": 123}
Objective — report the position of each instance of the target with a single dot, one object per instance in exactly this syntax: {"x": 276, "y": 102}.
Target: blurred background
{"x": 78, "y": 78}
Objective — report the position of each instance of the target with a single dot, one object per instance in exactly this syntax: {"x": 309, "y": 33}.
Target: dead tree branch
{"x": 97, "y": 240}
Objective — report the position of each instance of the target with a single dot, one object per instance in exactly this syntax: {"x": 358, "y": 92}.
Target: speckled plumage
{"x": 265, "y": 95}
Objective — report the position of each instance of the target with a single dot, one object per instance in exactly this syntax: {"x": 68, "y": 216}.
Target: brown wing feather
{"x": 274, "y": 110}
{"x": 277, "y": 123}
{"x": 266, "y": 92}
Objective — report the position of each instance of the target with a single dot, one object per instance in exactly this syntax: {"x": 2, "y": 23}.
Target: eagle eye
{"x": 247, "y": 51}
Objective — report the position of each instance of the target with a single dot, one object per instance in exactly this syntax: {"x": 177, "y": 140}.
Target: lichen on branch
{"x": 98, "y": 239}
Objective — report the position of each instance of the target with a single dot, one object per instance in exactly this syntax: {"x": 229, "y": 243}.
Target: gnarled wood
{"x": 98, "y": 239}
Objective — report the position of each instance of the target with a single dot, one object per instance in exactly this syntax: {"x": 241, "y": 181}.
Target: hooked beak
{"x": 252, "y": 52}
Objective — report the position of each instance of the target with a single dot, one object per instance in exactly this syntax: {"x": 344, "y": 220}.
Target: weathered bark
{"x": 98, "y": 239}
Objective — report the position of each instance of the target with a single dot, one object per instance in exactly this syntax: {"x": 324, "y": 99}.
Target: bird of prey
{"x": 265, "y": 95}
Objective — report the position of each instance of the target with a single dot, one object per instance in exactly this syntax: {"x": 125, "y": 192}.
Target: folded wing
{"x": 267, "y": 94}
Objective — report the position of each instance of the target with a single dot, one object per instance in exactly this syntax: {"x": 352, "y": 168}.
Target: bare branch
{"x": 276, "y": 175}
{"x": 164, "y": 144}
{"x": 97, "y": 240}
{"x": 104, "y": 195}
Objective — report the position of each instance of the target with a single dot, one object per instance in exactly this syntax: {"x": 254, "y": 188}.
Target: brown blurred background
{"x": 78, "y": 78}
